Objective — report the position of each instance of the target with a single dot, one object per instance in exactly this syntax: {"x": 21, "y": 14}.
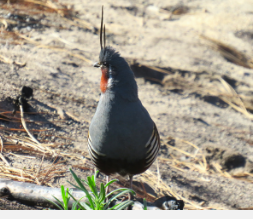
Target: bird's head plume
{"x": 116, "y": 73}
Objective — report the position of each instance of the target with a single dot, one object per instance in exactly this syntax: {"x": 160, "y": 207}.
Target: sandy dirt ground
{"x": 193, "y": 63}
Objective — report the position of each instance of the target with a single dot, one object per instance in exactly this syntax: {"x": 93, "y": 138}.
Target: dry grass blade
{"x": 10, "y": 37}
{"x": 193, "y": 164}
{"x": 244, "y": 176}
{"x": 24, "y": 125}
{"x": 210, "y": 84}
{"x": 230, "y": 53}
{"x": 249, "y": 208}
{"x": 1, "y": 153}
{"x": 37, "y": 6}
{"x": 158, "y": 69}
{"x": 66, "y": 51}
{"x": 14, "y": 177}
{"x": 171, "y": 162}
{"x": 219, "y": 169}
{"x": 235, "y": 96}
{"x": 200, "y": 165}
{"x": 189, "y": 143}
{"x": 20, "y": 145}
{"x": 164, "y": 189}
{"x": 227, "y": 94}
{"x": 177, "y": 149}
{"x": 4, "y": 160}
{"x": 2, "y": 144}
{"x": 39, "y": 45}
{"x": 22, "y": 156}
{"x": 5, "y": 60}
{"x": 81, "y": 23}
{"x": 219, "y": 88}
{"x": 27, "y": 175}
{"x": 233, "y": 99}
{"x": 33, "y": 130}
{"x": 205, "y": 163}
{"x": 4, "y": 22}
{"x": 29, "y": 145}
{"x": 38, "y": 171}
{"x": 10, "y": 61}
{"x": 48, "y": 171}
{"x": 16, "y": 173}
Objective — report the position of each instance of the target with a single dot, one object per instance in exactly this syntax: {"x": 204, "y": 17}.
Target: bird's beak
{"x": 96, "y": 65}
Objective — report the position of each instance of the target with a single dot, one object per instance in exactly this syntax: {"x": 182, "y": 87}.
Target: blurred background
{"x": 193, "y": 63}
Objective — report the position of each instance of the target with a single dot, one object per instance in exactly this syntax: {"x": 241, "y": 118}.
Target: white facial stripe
{"x": 110, "y": 80}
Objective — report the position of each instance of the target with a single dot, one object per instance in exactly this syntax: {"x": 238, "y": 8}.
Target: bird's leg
{"x": 130, "y": 196}
{"x": 107, "y": 188}
{"x": 131, "y": 181}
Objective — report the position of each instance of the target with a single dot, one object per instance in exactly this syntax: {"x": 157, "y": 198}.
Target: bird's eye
{"x": 105, "y": 64}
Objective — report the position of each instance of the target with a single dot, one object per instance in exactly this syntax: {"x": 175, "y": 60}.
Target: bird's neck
{"x": 127, "y": 91}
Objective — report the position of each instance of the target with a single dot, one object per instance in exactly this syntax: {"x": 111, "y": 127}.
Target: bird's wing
{"x": 153, "y": 146}
{"x": 95, "y": 156}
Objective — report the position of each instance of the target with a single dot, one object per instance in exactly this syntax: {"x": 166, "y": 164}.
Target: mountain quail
{"x": 122, "y": 137}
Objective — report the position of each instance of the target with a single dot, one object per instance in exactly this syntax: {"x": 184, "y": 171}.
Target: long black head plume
{"x": 107, "y": 56}
{"x": 101, "y": 31}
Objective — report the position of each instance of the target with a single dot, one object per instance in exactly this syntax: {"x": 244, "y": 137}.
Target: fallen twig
{"x": 39, "y": 194}
{"x": 1, "y": 153}
{"x": 24, "y": 125}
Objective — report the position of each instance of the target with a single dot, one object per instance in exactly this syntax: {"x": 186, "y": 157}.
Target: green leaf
{"x": 112, "y": 181}
{"x": 122, "y": 205}
{"x": 55, "y": 204}
{"x": 93, "y": 179}
{"x": 83, "y": 188}
{"x": 92, "y": 186}
{"x": 77, "y": 187}
{"x": 58, "y": 201}
{"x": 145, "y": 204}
{"x": 74, "y": 206}
{"x": 96, "y": 200}
{"x": 120, "y": 189}
{"x": 102, "y": 193}
{"x": 117, "y": 195}
{"x": 83, "y": 180}
{"x": 95, "y": 176}
{"x": 64, "y": 198}
{"x": 77, "y": 202}
{"x": 84, "y": 205}
{"x": 87, "y": 195}
{"x": 63, "y": 192}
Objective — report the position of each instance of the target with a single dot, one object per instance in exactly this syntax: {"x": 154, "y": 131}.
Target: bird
{"x": 122, "y": 137}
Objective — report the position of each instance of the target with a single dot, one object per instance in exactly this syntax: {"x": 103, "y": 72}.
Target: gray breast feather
{"x": 121, "y": 129}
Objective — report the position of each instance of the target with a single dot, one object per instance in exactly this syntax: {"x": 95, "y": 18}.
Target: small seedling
{"x": 97, "y": 200}
{"x": 145, "y": 204}
{"x": 63, "y": 205}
